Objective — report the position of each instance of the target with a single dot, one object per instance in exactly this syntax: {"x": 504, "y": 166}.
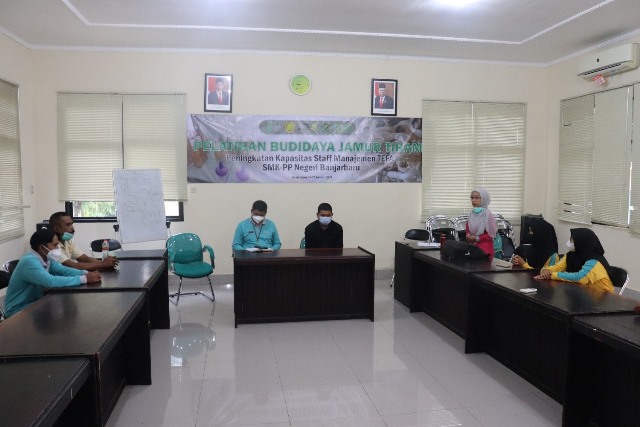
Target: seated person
{"x": 256, "y": 231}
{"x": 62, "y": 224}
{"x": 323, "y": 232}
{"x": 481, "y": 228}
{"x": 543, "y": 251}
{"x": 584, "y": 263}
{"x": 38, "y": 270}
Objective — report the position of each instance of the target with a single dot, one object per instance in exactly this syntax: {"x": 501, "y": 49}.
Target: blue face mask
{"x": 478, "y": 210}
{"x": 324, "y": 220}
{"x": 67, "y": 236}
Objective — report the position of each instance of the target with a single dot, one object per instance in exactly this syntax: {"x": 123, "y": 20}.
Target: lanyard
{"x": 254, "y": 230}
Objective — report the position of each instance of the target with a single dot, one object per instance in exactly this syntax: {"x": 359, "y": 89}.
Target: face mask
{"x": 53, "y": 254}
{"x": 570, "y": 246}
{"x": 478, "y": 210}
{"x": 257, "y": 219}
{"x": 67, "y": 236}
{"x": 324, "y": 220}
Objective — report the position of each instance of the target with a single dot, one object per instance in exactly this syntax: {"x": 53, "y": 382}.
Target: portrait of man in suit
{"x": 383, "y": 101}
{"x": 220, "y": 96}
{"x": 383, "y": 97}
{"x": 218, "y": 93}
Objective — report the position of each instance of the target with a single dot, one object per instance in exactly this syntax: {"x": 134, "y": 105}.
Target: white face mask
{"x": 570, "y": 246}
{"x": 324, "y": 220}
{"x": 54, "y": 254}
{"x": 257, "y": 219}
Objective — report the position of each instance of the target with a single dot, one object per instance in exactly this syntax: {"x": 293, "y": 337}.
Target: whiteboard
{"x": 140, "y": 205}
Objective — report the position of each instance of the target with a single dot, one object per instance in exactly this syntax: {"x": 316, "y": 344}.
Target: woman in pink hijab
{"x": 482, "y": 226}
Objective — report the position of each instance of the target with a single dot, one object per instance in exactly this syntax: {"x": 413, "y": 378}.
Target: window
{"x": 472, "y": 144}
{"x": 101, "y": 132}
{"x": 595, "y": 158}
{"x": 11, "y": 205}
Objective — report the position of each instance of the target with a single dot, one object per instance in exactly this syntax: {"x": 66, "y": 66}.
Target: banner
{"x": 281, "y": 149}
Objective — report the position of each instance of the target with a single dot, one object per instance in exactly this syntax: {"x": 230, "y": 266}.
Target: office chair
{"x": 504, "y": 226}
{"x": 9, "y": 266}
{"x": 438, "y": 225}
{"x": 96, "y": 246}
{"x": 4, "y": 282}
{"x": 619, "y": 277}
{"x": 186, "y": 260}
{"x": 460, "y": 226}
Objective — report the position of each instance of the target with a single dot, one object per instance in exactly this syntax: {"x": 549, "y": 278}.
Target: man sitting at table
{"x": 38, "y": 270}
{"x": 62, "y": 224}
{"x": 323, "y": 232}
{"x": 256, "y": 231}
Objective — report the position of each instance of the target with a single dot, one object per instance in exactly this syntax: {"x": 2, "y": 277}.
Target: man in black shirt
{"x": 323, "y": 232}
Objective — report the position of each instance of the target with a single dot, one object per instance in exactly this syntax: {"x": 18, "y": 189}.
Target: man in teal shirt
{"x": 256, "y": 231}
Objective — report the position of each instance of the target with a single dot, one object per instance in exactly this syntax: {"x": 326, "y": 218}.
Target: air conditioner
{"x": 611, "y": 61}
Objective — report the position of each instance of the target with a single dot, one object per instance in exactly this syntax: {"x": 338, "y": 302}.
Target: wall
{"x": 373, "y": 215}
{"x": 621, "y": 247}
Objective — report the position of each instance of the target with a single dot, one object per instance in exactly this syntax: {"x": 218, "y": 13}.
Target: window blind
{"x": 11, "y": 204}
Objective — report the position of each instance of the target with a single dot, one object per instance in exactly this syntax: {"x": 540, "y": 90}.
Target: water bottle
{"x": 105, "y": 249}
{"x": 443, "y": 239}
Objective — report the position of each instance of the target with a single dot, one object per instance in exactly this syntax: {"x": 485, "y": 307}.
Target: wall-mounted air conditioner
{"x": 611, "y": 61}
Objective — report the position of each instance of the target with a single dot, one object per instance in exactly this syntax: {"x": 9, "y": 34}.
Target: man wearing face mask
{"x": 62, "y": 224}
{"x": 38, "y": 270}
{"x": 323, "y": 232}
{"x": 256, "y": 231}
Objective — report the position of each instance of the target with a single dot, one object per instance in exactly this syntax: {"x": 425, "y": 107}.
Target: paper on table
{"x": 429, "y": 244}
{"x": 259, "y": 250}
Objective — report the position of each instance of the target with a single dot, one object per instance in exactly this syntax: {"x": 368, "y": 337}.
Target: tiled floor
{"x": 404, "y": 369}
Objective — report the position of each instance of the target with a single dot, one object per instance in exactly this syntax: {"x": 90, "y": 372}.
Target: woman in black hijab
{"x": 543, "y": 251}
{"x": 585, "y": 262}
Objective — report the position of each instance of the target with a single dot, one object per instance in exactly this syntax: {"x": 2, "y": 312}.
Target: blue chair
{"x": 303, "y": 243}
{"x": 186, "y": 260}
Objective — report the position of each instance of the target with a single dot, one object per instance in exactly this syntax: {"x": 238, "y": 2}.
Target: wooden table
{"x": 603, "y": 377}
{"x": 442, "y": 286}
{"x": 530, "y": 333}
{"x": 303, "y": 284}
{"x": 43, "y": 392}
{"x": 149, "y": 275}
{"x": 405, "y": 287}
{"x": 137, "y": 254}
{"x": 109, "y": 329}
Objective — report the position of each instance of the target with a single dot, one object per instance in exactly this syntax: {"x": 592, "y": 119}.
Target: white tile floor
{"x": 404, "y": 369}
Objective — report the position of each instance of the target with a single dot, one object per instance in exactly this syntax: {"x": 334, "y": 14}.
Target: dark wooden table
{"x": 405, "y": 289}
{"x": 603, "y": 377}
{"x": 110, "y": 329}
{"x": 141, "y": 254}
{"x": 442, "y": 286}
{"x": 150, "y": 275}
{"x": 43, "y": 392}
{"x": 303, "y": 284}
{"x": 529, "y": 333}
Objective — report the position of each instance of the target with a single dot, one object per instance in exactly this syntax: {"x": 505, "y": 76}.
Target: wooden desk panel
{"x": 303, "y": 284}
{"x": 603, "y": 377}
{"x": 139, "y": 254}
{"x": 43, "y": 392}
{"x": 150, "y": 275}
{"x": 530, "y": 333}
{"x": 405, "y": 289}
{"x": 110, "y": 329}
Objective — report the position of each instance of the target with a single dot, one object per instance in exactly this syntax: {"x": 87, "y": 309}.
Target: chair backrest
{"x": 114, "y": 245}
{"x": 460, "y": 225}
{"x": 9, "y": 266}
{"x": 184, "y": 248}
{"x": 504, "y": 227}
{"x": 4, "y": 279}
{"x": 438, "y": 225}
{"x": 417, "y": 234}
{"x": 619, "y": 277}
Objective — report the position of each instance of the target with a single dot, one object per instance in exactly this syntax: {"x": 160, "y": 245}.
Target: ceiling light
{"x": 455, "y": 3}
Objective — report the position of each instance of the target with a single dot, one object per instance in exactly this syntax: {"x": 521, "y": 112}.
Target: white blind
{"x": 155, "y": 138}
{"x": 472, "y": 144}
{"x": 11, "y": 205}
{"x": 612, "y": 156}
{"x": 634, "y": 219}
{"x": 576, "y": 153}
{"x": 101, "y": 132}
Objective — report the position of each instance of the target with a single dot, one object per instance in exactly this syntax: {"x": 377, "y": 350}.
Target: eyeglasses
{"x": 475, "y": 197}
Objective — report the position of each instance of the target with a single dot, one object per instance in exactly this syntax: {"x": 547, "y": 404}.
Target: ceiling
{"x": 534, "y": 32}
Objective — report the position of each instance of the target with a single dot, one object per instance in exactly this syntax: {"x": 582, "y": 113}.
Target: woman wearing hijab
{"x": 544, "y": 247}
{"x": 584, "y": 263}
{"x": 482, "y": 226}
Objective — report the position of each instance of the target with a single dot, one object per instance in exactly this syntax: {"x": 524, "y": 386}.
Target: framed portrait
{"x": 218, "y": 92}
{"x": 384, "y": 97}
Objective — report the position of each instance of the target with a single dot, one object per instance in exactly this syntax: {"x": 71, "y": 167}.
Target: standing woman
{"x": 482, "y": 226}
{"x": 584, "y": 263}
{"x": 544, "y": 246}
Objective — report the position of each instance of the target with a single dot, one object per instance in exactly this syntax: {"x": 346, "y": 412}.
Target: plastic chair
{"x": 96, "y": 246}
{"x": 186, "y": 260}
{"x": 619, "y": 277}
{"x": 460, "y": 226}
{"x": 504, "y": 226}
{"x": 9, "y": 266}
{"x": 438, "y": 225}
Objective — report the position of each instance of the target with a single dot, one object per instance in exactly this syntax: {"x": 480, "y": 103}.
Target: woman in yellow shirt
{"x": 543, "y": 251}
{"x": 584, "y": 263}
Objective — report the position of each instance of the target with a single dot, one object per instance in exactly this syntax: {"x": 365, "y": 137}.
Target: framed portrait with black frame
{"x": 384, "y": 97}
{"x": 218, "y": 89}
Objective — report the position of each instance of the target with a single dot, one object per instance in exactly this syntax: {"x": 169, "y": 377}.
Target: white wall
{"x": 373, "y": 215}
